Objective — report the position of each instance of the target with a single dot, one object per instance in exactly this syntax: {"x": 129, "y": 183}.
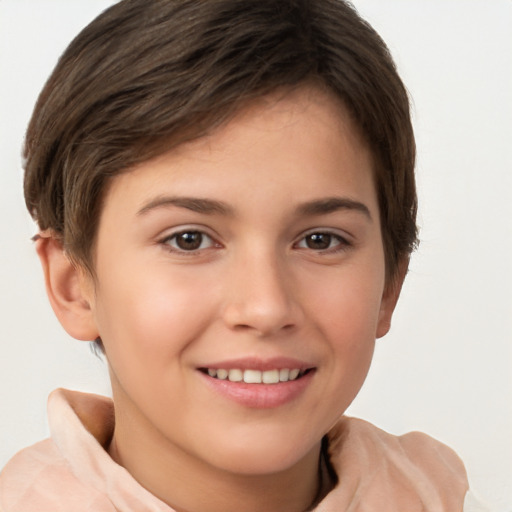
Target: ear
{"x": 390, "y": 298}
{"x": 69, "y": 289}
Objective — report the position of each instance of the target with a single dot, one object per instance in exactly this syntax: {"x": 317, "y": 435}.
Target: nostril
{"x": 263, "y": 330}
{"x": 241, "y": 327}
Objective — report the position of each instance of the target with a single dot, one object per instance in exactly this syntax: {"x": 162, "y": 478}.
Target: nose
{"x": 261, "y": 296}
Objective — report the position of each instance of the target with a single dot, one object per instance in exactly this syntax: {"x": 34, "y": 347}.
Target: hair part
{"x": 148, "y": 75}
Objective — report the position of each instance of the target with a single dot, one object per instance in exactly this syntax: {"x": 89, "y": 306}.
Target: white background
{"x": 446, "y": 367}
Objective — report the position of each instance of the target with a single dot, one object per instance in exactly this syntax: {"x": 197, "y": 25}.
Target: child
{"x": 226, "y": 203}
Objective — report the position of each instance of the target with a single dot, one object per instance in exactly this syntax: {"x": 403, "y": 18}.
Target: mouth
{"x": 259, "y": 383}
{"x": 254, "y": 376}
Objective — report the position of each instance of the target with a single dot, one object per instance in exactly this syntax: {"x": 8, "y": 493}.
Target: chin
{"x": 263, "y": 453}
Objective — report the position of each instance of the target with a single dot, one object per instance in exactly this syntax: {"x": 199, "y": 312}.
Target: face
{"x": 240, "y": 286}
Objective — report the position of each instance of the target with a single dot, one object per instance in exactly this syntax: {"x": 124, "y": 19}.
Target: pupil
{"x": 318, "y": 241}
{"x": 189, "y": 241}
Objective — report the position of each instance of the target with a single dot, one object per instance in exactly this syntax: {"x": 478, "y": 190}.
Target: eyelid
{"x": 341, "y": 233}
{"x": 345, "y": 239}
{"x": 174, "y": 232}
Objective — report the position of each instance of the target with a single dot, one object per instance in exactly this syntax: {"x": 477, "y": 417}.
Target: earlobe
{"x": 67, "y": 288}
{"x": 390, "y": 299}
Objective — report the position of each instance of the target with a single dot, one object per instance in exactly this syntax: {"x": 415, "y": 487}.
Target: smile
{"x": 259, "y": 384}
{"x": 251, "y": 376}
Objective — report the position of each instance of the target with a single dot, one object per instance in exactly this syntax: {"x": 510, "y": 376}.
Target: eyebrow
{"x": 210, "y": 206}
{"x": 195, "y": 204}
{"x": 332, "y": 204}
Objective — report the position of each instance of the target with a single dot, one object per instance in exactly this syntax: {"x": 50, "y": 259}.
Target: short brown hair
{"x": 147, "y": 75}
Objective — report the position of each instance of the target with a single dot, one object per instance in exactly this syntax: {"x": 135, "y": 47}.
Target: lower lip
{"x": 260, "y": 396}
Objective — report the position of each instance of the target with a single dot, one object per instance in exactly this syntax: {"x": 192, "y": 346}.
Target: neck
{"x": 189, "y": 485}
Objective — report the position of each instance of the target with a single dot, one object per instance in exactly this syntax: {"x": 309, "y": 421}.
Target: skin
{"x": 258, "y": 286}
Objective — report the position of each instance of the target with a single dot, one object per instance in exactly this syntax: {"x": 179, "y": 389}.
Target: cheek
{"x": 348, "y": 303}
{"x": 347, "y": 313}
{"x": 152, "y": 314}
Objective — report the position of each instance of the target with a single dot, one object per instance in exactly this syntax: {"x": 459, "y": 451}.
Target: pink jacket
{"x": 378, "y": 472}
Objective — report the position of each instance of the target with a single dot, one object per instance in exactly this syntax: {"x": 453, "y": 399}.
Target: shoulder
{"x": 413, "y": 470}
{"x": 39, "y": 479}
{"x": 412, "y": 449}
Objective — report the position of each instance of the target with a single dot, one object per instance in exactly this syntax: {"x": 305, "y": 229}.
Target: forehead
{"x": 284, "y": 110}
{"x": 286, "y": 137}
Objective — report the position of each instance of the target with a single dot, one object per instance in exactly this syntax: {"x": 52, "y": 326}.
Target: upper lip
{"x": 255, "y": 363}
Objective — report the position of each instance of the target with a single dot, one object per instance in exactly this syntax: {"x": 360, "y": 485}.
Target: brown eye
{"x": 189, "y": 241}
{"x": 323, "y": 241}
{"x": 318, "y": 241}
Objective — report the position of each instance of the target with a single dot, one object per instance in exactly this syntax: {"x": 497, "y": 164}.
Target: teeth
{"x": 270, "y": 377}
{"x": 294, "y": 374}
{"x": 256, "y": 376}
{"x": 235, "y": 376}
{"x": 252, "y": 376}
{"x": 284, "y": 375}
{"x": 222, "y": 374}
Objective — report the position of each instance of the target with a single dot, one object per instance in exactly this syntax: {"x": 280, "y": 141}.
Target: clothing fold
{"x": 376, "y": 471}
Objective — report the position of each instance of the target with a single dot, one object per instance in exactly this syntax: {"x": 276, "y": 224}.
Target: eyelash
{"x": 176, "y": 249}
{"x": 342, "y": 243}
